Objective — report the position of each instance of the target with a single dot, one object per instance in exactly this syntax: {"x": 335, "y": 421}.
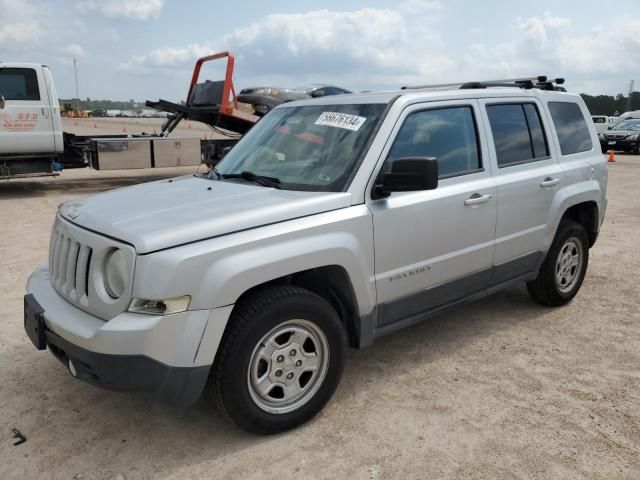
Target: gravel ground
{"x": 502, "y": 388}
{"x": 121, "y": 126}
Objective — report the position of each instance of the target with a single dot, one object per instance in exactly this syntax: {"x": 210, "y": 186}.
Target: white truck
{"x": 33, "y": 143}
{"x": 31, "y": 137}
{"x": 333, "y": 222}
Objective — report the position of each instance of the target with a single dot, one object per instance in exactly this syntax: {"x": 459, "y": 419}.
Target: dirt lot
{"x": 502, "y": 388}
{"x": 120, "y": 126}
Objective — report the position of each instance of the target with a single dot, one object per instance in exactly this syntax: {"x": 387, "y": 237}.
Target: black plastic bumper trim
{"x": 132, "y": 373}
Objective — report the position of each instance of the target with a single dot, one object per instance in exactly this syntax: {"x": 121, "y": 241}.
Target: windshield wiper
{"x": 272, "y": 182}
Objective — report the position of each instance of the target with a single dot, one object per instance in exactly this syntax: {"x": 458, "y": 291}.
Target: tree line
{"x": 89, "y": 104}
{"x": 608, "y": 105}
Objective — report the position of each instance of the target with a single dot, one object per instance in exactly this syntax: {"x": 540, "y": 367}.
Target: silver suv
{"x": 334, "y": 221}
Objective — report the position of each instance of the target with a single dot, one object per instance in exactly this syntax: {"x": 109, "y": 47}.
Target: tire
{"x": 263, "y": 376}
{"x": 559, "y": 279}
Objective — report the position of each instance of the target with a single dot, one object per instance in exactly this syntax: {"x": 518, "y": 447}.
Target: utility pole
{"x": 75, "y": 73}
{"x": 630, "y": 92}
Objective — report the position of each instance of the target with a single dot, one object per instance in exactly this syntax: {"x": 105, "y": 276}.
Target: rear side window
{"x": 518, "y": 134}
{"x": 572, "y": 129}
{"x": 19, "y": 84}
{"x": 448, "y": 134}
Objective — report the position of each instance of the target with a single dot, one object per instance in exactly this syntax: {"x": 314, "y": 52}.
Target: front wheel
{"x": 564, "y": 267}
{"x": 280, "y": 360}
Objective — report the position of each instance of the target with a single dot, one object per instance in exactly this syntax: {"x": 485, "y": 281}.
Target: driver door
{"x": 435, "y": 247}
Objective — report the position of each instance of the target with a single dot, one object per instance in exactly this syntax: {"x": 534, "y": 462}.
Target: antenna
{"x": 75, "y": 73}
{"x": 631, "y": 84}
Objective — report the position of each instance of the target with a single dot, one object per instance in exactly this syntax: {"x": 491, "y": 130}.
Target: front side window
{"x": 572, "y": 129}
{"x": 315, "y": 148}
{"x": 518, "y": 135}
{"x": 448, "y": 134}
{"x": 19, "y": 84}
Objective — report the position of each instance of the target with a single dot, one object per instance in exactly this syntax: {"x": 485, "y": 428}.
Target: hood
{"x": 158, "y": 215}
{"x": 621, "y": 133}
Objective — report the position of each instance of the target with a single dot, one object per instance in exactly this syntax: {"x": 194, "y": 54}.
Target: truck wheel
{"x": 564, "y": 267}
{"x": 280, "y": 359}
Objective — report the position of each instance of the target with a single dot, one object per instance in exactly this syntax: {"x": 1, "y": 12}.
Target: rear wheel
{"x": 564, "y": 267}
{"x": 280, "y": 359}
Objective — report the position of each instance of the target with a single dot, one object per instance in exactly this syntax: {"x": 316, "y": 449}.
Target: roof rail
{"x": 541, "y": 82}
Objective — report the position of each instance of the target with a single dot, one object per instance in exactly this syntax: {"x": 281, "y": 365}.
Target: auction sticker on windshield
{"x": 340, "y": 120}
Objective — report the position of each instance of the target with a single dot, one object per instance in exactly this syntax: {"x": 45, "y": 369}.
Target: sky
{"x": 145, "y": 49}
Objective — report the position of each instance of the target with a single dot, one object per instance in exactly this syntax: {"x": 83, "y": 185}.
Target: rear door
{"x": 26, "y": 124}
{"x": 433, "y": 247}
{"x": 528, "y": 176}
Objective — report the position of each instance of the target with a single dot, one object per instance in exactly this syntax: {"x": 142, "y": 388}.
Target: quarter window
{"x": 518, "y": 134}
{"x": 572, "y": 129}
{"x": 19, "y": 84}
{"x": 448, "y": 134}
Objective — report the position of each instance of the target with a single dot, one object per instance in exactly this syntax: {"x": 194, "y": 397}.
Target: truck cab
{"x": 30, "y": 125}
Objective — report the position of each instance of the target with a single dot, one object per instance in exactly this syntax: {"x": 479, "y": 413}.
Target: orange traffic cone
{"x": 124, "y": 129}
{"x": 612, "y": 156}
{"x": 94, "y": 125}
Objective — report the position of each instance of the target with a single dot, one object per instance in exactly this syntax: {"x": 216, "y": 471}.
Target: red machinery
{"x": 211, "y": 102}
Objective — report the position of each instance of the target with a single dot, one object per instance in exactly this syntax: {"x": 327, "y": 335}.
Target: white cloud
{"x": 73, "y": 50}
{"x": 590, "y": 60}
{"x": 20, "y": 25}
{"x": 20, "y": 35}
{"x": 353, "y": 45}
{"x": 140, "y": 10}
{"x": 420, "y": 7}
{"x": 373, "y": 48}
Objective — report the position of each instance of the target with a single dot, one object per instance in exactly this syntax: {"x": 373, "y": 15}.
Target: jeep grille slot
{"x": 69, "y": 264}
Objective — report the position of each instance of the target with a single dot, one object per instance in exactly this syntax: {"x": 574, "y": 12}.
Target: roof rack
{"x": 541, "y": 82}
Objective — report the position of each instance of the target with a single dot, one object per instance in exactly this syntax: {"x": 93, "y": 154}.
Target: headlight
{"x": 160, "y": 307}
{"x": 116, "y": 273}
{"x": 601, "y": 136}
{"x": 633, "y": 137}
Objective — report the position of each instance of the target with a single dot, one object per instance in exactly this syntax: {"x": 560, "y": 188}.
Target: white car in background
{"x": 603, "y": 122}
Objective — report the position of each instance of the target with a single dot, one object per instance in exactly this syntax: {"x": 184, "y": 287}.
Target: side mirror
{"x": 409, "y": 175}
{"x": 317, "y": 93}
{"x": 1, "y": 102}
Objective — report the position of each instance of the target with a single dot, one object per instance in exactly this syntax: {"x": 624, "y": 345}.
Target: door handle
{"x": 477, "y": 199}
{"x": 549, "y": 182}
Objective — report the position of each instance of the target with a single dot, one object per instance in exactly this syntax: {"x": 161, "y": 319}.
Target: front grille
{"x": 69, "y": 264}
{"x": 615, "y": 136}
{"x": 75, "y": 259}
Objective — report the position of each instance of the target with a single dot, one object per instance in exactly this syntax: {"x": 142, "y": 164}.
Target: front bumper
{"x": 620, "y": 145}
{"x": 167, "y": 356}
{"x": 131, "y": 373}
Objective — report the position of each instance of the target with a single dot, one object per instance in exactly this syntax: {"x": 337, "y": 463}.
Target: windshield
{"x": 305, "y": 148}
{"x": 627, "y": 125}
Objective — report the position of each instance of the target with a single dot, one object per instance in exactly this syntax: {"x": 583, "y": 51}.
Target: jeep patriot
{"x": 334, "y": 221}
